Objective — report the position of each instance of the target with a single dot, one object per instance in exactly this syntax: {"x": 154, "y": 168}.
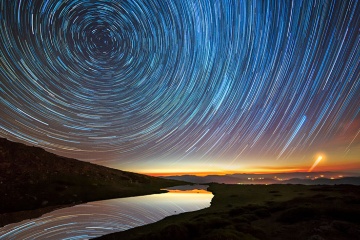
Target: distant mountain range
{"x": 313, "y": 178}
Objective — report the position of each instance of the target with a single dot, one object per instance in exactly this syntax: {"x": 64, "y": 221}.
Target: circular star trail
{"x": 123, "y": 81}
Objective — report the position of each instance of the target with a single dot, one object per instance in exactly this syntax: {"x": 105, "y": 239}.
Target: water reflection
{"x": 103, "y": 217}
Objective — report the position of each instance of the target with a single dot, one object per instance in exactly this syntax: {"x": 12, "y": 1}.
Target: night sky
{"x": 185, "y": 85}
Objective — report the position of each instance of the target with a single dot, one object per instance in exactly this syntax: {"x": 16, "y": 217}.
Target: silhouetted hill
{"x": 279, "y": 178}
{"x": 325, "y": 181}
{"x": 205, "y": 179}
{"x": 32, "y": 178}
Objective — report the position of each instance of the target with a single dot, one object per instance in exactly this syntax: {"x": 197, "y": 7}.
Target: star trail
{"x": 148, "y": 85}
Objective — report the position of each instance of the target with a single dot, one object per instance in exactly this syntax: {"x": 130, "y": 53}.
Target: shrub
{"x": 297, "y": 214}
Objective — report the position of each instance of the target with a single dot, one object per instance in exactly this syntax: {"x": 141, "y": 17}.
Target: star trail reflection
{"x": 103, "y": 217}
{"x": 125, "y": 83}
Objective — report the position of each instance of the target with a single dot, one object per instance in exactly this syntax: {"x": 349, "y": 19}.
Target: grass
{"x": 263, "y": 212}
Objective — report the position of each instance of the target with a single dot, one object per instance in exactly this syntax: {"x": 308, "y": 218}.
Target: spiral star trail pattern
{"x": 192, "y": 83}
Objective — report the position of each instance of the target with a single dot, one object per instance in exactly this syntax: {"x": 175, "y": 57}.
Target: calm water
{"x": 103, "y": 217}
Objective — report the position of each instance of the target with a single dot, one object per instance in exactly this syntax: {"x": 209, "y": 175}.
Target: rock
{"x": 316, "y": 237}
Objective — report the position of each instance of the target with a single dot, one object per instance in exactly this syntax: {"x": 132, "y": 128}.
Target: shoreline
{"x": 15, "y": 217}
{"x": 262, "y": 212}
{"x": 18, "y": 216}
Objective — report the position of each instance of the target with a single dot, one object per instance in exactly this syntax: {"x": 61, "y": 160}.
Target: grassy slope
{"x": 33, "y": 179}
{"x": 264, "y": 212}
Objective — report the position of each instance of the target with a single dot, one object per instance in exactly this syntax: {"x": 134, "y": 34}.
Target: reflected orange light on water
{"x": 201, "y": 191}
{"x": 107, "y": 216}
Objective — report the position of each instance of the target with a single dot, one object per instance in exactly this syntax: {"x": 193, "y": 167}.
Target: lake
{"x": 99, "y": 218}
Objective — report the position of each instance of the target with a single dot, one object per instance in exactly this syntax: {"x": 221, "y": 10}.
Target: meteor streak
{"x": 315, "y": 163}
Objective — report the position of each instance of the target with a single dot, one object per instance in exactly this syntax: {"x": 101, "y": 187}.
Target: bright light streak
{"x": 315, "y": 163}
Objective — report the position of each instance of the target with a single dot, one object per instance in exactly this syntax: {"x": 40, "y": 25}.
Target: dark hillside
{"x": 32, "y": 178}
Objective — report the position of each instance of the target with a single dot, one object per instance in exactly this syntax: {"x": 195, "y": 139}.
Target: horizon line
{"x": 204, "y": 174}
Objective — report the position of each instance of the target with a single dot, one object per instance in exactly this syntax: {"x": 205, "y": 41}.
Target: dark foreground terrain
{"x": 263, "y": 212}
{"x": 33, "y": 182}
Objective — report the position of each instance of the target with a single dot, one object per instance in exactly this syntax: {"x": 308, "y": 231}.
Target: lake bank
{"x": 263, "y": 212}
{"x": 94, "y": 219}
{"x": 34, "y": 181}
{"x": 17, "y": 216}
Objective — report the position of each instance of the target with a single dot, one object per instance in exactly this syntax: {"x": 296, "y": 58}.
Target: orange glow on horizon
{"x": 249, "y": 171}
{"x": 321, "y": 162}
{"x": 169, "y": 173}
{"x": 263, "y": 170}
{"x": 341, "y": 167}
